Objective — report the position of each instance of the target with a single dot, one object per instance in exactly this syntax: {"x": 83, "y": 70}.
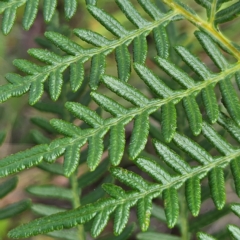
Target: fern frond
{"x": 120, "y": 201}
{"x": 9, "y": 9}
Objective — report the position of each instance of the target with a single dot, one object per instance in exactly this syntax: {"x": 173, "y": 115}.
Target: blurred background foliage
{"x": 25, "y": 126}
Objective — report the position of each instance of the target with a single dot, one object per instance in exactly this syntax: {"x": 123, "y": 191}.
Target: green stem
{"x": 76, "y": 202}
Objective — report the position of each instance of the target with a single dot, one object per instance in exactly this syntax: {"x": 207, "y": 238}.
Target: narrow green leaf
{"x": 140, "y": 49}
{"x": 175, "y": 72}
{"x": 49, "y": 7}
{"x": 154, "y": 170}
{"x": 22, "y": 160}
{"x": 85, "y": 114}
{"x": 108, "y": 104}
{"x": 129, "y": 178}
{"x": 69, "y": 234}
{"x": 95, "y": 149}
{"x": 45, "y": 56}
{"x": 193, "y": 195}
{"x": 193, "y": 149}
{"x": 125, "y": 90}
{"x": 193, "y": 114}
{"x": 212, "y": 50}
{"x": 237, "y": 77}
{"x": 7, "y": 186}
{"x": 76, "y": 75}
{"x": 131, "y": 13}
{"x": 236, "y": 209}
{"x": 217, "y": 187}
{"x": 71, "y": 158}
{"x": 230, "y": 99}
{"x": 114, "y": 190}
{"x": 122, "y": 56}
{"x": 98, "y": 65}
{"x": 54, "y": 168}
{"x": 46, "y": 210}
{"x": 91, "y": 37}
{"x": 70, "y": 8}
{"x": 228, "y": 14}
{"x": 64, "y": 43}
{"x": 204, "y": 236}
{"x": 235, "y": 169}
{"x": 30, "y": 13}
{"x": 26, "y": 67}
{"x": 151, "y": 9}
{"x": 36, "y": 90}
{"x": 14, "y": 78}
{"x": 161, "y": 41}
{"x": 234, "y": 231}
{"x": 152, "y": 81}
{"x": 107, "y": 21}
{"x": 100, "y": 221}
{"x": 43, "y": 123}
{"x": 13, "y": 209}
{"x": 117, "y": 140}
{"x": 51, "y": 192}
{"x": 158, "y": 213}
{"x": 156, "y": 236}
{"x": 171, "y": 206}
{"x": 9, "y": 17}
{"x": 217, "y": 140}
{"x": 144, "y": 209}
{"x": 139, "y": 135}
{"x": 169, "y": 121}
{"x": 171, "y": 158}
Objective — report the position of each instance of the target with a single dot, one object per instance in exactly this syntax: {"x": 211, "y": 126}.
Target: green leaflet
{"x": 193, "y": 195}
{"x": 107, "y": 21}
{"x": 54, "y": 168}
{"x": 51, "y": 192}
{"x": 212, "y": 50}
{"x": 67, "y": 234}
{"x": 161, "y": 41}
{"x": 22, "y": 160}
{"x": 97, "y": 70}
{"x": 175, "y": 72}
{"x": 44, "y": 124}
{"x": 36, "y": 90}
{"x": 70, "y": 8}
{"x": 217, "y": 187}
{"x": 108, "y": 104}
{"x": 125, "y": 90}
{"x": 228, "y": 14}
{"x": 7, "y": 186}
{"x": 30, "y": 13}
{"x": 140, "y": 49}
{"x": 131, "y": 13}
{"x": 95, "y": 149}
{"x": 9, "y": 17}
{"x": 76, "y": 75}
{"x": 230, "y": 99}
{"x": 45, "y": 210}
{"x": 92, "y": 37}
{"x": 13, "y": 209}
{"x": 169, "y": 121}
{"x": 152, "y": 81}
{"x": 100, "y": 221}
{"x": 151, "y": 9}
{"x": 85, "y": 114}
{"x": 193, "y": 149}
{"x": 139, "y": 135}
{"x": 217, "y": 140}
{"x": 144, "y": 208}
{"x": 123, "y": 62}
{"x": 171, "y": 158}
{"x": 204, "y": 236}
{"x": 49, "y": 7}
{"x": 64, "y": 43}
{"x": 71, "y": 158}
{"x": 237, "y": 77}
{"x": 26, "y": 67}
{"x": 193, "y": 114}
{"x": 154, "y": 170}
{"x": 171, "y": 206}
{"x": 117, "y": 143}
{"x": 235, "y": 168}
{"x": 234, "y": 231}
